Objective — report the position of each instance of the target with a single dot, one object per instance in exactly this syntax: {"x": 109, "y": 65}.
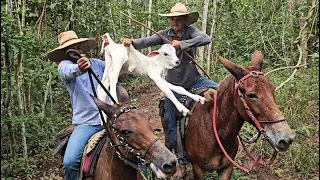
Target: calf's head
{"x": 166, "y": 56}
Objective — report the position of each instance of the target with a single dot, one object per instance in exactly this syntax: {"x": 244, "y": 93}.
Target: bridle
{"x": 256, "y": 123}
{"x": 141, "y": 165}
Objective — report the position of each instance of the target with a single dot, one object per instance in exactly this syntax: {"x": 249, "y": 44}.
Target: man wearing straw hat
{"x": 85, "y": 114}
{"x": 183, "y": 37}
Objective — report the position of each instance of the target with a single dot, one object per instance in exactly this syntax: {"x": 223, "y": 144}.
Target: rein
{"x": 256, "y": 123}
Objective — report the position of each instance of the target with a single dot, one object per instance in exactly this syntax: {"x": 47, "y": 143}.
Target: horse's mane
{"x": 225, "y": 83}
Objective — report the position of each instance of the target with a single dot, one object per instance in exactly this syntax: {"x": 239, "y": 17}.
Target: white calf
{"x": 122, "y": 59}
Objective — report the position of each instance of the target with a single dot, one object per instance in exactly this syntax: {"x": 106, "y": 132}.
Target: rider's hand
{"x": 126, "y": 41}
{"x": 175, "y": 44}
{"x": 83, "y": 63}
{"x": 105, "y": 39}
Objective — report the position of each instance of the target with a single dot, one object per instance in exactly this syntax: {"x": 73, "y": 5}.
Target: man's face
{"x": 178, "y": 23}
{"x": 76, "y": 47}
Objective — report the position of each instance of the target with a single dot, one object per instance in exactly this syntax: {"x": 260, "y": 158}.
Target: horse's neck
{"x": 111, "y": 167}
{"x": 228, "y": 117}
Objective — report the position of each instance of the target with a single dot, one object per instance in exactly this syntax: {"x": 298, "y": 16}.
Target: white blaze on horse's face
{"x": 169, "y": 56}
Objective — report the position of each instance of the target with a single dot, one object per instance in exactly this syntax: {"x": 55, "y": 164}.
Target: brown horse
{"x": 202, "y": 148}
{"x": 131, "y": 129}
{"x": 132, "y": 142}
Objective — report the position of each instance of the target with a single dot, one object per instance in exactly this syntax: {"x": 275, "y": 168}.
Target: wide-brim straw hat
{"x": 67, "y": 39}
{"x": 180, "y": 9}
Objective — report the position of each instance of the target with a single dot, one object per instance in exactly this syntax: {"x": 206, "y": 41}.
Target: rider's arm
{"x": 68, "y": 70}
{"x": 147, "y": 41}
{"x": 198, "y": 38}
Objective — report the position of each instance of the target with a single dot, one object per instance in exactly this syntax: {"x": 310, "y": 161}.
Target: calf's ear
{"x": 153, "y": 53}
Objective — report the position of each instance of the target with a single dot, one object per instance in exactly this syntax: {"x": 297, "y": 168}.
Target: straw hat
{"x": 66, "y": 39}
{"x": 180, "y": 9}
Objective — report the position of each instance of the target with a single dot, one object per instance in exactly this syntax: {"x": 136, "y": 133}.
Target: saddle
{"x": 91, "y": 151}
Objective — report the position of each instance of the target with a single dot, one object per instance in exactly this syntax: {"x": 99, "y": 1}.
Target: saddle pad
{"x": 93, "y": 141}
{"x": 90, "y": 157}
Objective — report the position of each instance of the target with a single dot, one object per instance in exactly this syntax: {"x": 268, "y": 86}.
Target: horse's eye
{"x": 252, "y": 95}
{"x": 165, "y": 54}
{"x": 126, "y": 133}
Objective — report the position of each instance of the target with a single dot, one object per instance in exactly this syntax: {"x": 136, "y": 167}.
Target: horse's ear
{"x": 109, "y": 110}
{"x": 122, "y": 94}
{"x": 256, "y": 60}
{"x": 237, "y": 71}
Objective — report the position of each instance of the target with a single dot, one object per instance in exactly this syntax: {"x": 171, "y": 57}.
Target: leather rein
{"x": 256, "y": 123}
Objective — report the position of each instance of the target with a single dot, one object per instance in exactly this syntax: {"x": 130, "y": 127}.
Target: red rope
{"x": 218, "y": 139}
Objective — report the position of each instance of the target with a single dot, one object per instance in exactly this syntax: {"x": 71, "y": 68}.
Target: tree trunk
{"x": 303, "y": 40}
{"x": 42, "y": 16}
{"x": 291, "y": 10}
{"x": 7, "y": 102}
{"x": 31, "y": 108}
{"x": 46, "y": 92}
{"x": 149, "y": 22}
{"x": 211, "y": 51}
{"x": 9, "y": 7}
{"x": 19, "y": 77}
{"x": 129, "y": 4}
{"x": 303, "y": 33}
{"x": 203, "y": 28}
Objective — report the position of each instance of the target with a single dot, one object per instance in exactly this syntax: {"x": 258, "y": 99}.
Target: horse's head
{"x": 255, "y": 90}
{"x": 132, "y": 135}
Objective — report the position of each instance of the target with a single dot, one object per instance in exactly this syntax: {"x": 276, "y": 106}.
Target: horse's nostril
{"x": 177, "y": 62}
{"x": 169, "y": 167}
{"x": 283, "y": 144}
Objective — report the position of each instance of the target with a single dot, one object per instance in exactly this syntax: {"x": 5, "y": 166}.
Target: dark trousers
{"x": 171, "y": 112}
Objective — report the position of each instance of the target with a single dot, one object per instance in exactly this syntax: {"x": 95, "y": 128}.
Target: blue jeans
{"x": 77, "y": 141}
{"x": 170, "y": 112}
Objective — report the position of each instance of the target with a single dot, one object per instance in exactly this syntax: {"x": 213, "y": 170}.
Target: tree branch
{"x": 287, "y": 80}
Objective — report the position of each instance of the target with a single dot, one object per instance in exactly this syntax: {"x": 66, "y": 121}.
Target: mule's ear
{"x": 256, "y": 60}
{"x": 237, "y": 71}
{"x": 122, "y": 94}
{"x": 106, "y": 108}
{"x": 153, "y": 53}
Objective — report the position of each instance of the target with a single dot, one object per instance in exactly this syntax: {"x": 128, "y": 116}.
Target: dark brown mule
{"x": 136, "y": 131}
{"x": 132, "y": 136}
{"x": 203, "y": 151}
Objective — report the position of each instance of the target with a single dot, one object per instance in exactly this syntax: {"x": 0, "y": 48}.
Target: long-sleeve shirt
{"x": 84, "y": 110}
{"x": 186, "y": 73}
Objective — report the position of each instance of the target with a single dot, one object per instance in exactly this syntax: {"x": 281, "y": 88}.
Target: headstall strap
{"x": 252, "y": 73}
{"x": 122, "y": 110}
{"x": 141, "y": 166}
